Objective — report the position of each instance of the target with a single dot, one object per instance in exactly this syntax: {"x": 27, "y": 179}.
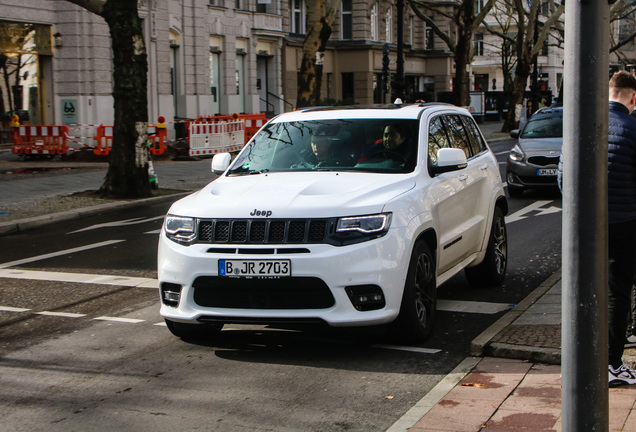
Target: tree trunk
{"x": 515, "y": 104}
{"x": 465, "y": 23}
{"x": 461, "y": 85}
{"x": 320, "y": 16}
{"x": 127, "y": 175}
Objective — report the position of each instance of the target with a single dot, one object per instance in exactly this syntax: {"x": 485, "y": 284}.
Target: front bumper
{"x": 319, "y": 289}
{"x": 525, "y": 175}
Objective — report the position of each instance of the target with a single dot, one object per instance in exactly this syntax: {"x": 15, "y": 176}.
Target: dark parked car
{"x": 534, "y": 160}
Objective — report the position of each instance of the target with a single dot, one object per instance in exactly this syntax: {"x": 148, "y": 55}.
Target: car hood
{"x": 290, "y": 195}
{"x": 541, "y": 145}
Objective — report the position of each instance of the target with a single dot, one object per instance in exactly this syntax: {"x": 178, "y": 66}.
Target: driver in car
{"x": 394, "y": 144}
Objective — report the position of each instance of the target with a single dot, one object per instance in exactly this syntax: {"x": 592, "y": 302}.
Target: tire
{"x": 193, "y": 331}
{"x": 419, "y": 300}
{"x": 492, "y": 270}
{"x": 515, "y": 192}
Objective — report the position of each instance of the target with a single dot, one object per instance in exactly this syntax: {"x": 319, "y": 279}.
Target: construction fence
{"x": 206, "y": 135}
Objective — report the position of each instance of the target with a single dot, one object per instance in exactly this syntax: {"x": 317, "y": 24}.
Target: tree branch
{"x": 438, "y": 31}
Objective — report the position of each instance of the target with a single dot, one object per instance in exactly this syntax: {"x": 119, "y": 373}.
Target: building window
{"x": 479, "y": 5}
{"x": 478, "y": 44}
{"x": 625, "y": 29}
{"x": 298, "y": 16}
{"x": 215, "y": 2}
{"x": 347, "y": 87}
{"x": 428, "y": 39}
{"x": 375, "y": 32}
{"x": 214, "y": 75}
{"x": 389, "y": 26}
{"x": 347, "y": 19}
{"x": 411, "y": 26}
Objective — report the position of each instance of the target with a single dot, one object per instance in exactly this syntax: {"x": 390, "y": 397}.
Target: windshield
{"x": 544, "y": 127}
{"x": 387, "y": 146}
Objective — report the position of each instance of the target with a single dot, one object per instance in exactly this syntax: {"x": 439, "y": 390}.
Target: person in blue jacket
{"x": 621, "y": 219}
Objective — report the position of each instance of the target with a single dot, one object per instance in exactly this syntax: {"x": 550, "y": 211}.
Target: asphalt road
{"x": 82, "y": 346}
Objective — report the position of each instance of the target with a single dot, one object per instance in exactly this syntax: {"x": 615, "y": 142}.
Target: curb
{"x": 482, "y": 345}
{"x": 19, "y": 225}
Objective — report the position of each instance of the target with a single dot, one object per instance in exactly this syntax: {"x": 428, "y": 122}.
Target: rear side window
{"x": 476, "y": 141}
{"x": 437, "y": 139}
{"x": 457, "y": 134}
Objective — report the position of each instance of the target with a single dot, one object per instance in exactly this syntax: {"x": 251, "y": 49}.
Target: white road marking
{"x": 113, "y": 224}
{"x": 117, "y": 319}
{"x": 472, "y": 306}
{"x": 535, "y": 206}
{"x": 407, "y": 348}
{"x": 12, "y": 309}
{"x": 79, "y": 278}
{"x": 58, "y": 253}
{"x": 61, "y": 314}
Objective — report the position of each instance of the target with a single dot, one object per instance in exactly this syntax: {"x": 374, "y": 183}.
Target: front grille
{"x": 249, "y": 231}
{"x": 284, "y": 293}
{"x": 544, "y": 160}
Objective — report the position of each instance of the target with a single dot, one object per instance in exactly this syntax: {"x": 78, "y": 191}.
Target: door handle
{"x": 463, "y": 177}
{"x": 484, "y": 167}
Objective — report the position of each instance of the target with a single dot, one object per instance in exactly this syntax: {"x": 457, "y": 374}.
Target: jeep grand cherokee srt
{"x": 345, "y": 216}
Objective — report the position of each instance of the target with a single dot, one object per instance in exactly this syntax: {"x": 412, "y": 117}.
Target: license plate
{"x": 255, "y": 268}
{"x": 547, "y": 172}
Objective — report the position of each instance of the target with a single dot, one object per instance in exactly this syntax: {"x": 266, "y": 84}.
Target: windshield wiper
{"x": 251, "y": 172}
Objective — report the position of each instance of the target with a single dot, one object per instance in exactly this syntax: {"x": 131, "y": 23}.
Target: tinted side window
{"x": 457, "y": 134}
{"x": 476, "y": 141}
{"x": 437, "y": 139}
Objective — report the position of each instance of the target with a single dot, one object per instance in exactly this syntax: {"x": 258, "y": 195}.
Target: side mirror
{"x": 449, "y": 159}
{"x": 514, "y": 133}
{"x": 220, "y": 162}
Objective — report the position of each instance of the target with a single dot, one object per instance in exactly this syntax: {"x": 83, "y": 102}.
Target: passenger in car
{"x": 395, "y": 143}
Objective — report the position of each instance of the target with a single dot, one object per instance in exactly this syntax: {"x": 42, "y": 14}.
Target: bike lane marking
{"x": 58, "y": 253}
{"x": 85, "y": 278}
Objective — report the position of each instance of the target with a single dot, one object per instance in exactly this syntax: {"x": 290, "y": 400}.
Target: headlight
{"x": 180, "y": 229}
{"x": 516, "y": 154}
{"x": 365, "y": 224}
{"x": 357, "y": 229}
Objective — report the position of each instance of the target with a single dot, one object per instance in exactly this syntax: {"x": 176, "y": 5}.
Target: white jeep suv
{"x": 346, "y": 216}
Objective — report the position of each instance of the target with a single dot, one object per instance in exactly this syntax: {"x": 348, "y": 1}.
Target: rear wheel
{"x": 417, "y": 311}
{"x": 193, "y": 331}
{"x": 492, "y": 270}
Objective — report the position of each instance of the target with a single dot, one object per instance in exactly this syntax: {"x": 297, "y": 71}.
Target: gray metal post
{"x": 584, "y": 390}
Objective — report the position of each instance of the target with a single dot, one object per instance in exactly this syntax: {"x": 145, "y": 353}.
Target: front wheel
{"x": 492, "y": 270}
{"x": 193, "y": 331}
{"x": 419, "y": 301}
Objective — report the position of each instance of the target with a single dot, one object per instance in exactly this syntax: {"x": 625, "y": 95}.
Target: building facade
{"x": 208, "y": 57}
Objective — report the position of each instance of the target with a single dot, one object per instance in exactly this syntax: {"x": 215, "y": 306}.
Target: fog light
{"x": 366, "y": 297}
{"x": 170, "y": 293}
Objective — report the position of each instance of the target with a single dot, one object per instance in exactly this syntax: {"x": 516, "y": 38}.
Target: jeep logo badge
{"x": 266, "y": 213}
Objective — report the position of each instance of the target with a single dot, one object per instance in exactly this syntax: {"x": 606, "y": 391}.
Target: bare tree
{"x": 461, "y": 13}
{"x": 623, "y": 30}
{"x": 320, "y": 17}
{"x": 127, "y": 175}
{"x": 529, "y": 39}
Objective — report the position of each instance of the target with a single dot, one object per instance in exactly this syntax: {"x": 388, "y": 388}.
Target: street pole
{"x": 584, "y": 344}
{"x": 400, "y": 85}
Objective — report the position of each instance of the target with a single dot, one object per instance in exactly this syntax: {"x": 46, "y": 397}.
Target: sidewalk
{"x": 512, "y": 381}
